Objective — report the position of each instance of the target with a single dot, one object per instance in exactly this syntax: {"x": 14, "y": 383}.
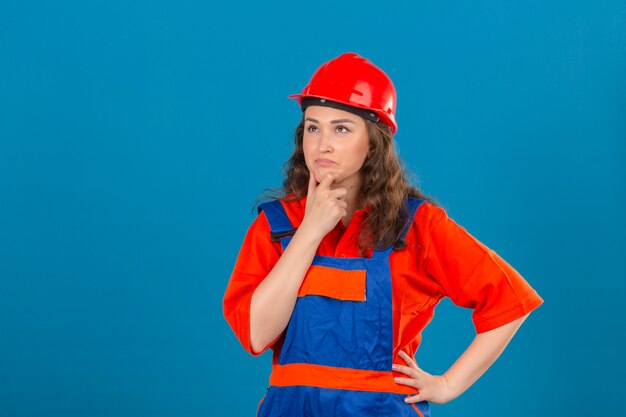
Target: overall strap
{"x": 412, "y": 204}
{"x": 280, "y": 225}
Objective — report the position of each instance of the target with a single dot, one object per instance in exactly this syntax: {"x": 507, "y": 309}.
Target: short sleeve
{"x": 475, "y": 276}
{"x": 257, "y": 257}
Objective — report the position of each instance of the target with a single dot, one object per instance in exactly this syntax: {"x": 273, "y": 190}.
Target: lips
{"x": 323, "y": 161}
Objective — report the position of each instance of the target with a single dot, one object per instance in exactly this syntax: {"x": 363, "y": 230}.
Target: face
{"x": 335, "y": 141}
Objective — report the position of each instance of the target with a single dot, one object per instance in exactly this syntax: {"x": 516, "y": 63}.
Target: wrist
{"x": 448, "y": 387}
{"x": 308, "y": 232}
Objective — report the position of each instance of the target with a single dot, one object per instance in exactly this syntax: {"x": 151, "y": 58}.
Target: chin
{"x": 321, "y": 172}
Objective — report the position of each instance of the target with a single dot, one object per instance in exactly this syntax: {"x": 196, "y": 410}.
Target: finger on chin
{"x": 312, "y": 182}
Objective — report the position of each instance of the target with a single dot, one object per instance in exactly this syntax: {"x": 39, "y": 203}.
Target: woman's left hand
{"x": 432, "y": 388}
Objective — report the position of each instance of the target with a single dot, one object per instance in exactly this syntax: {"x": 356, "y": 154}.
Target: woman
{"x": 340, "y": 274}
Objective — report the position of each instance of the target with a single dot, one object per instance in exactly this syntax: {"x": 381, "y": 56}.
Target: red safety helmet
{"x": 353, "y": 80}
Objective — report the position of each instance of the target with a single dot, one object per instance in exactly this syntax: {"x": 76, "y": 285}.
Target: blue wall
{"x": 136, "y": 136}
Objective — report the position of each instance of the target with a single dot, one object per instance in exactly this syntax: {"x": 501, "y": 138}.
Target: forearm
{"x": 479, "y": 356}
{"x": 274, "y": 299}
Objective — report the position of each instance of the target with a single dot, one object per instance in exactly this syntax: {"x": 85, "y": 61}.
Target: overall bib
{"x": 337, "y": 353}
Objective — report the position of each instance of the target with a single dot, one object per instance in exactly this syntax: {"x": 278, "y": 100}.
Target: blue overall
{"x": 338, "y": 333}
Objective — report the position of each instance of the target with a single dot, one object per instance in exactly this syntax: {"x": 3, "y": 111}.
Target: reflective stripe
{"x": 259, "y": 406}
{"x": 418, "y": 410}
{"x": 337, "y": 378}
{"x": 341, "y": 284}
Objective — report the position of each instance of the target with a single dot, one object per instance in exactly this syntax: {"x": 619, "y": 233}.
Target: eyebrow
{"x": 332, "y": 121}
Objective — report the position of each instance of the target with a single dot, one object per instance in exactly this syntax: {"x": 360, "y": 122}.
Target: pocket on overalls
{"x": 327, "y": 326}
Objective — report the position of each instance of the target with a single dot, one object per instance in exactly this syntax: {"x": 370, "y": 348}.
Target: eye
{"x": 309, "y": 128}
{"x": 343, "y": 127}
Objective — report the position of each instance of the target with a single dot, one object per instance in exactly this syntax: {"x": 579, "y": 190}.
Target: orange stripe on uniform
{"x": 337, "y": 378}
{"x": 258, "y": 407}
{"x": 418, "y": 410}
{"x": 335, "y": 283}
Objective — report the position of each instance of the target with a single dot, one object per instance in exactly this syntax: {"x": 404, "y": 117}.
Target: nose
{"x": 324, "y": 144}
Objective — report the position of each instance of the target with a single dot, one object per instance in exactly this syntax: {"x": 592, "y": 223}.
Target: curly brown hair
{"x": 384, "y": 188}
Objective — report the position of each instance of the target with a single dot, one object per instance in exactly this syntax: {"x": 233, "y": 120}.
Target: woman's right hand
{"x": 324, "y": 206}
{"x": 275, "y": 297}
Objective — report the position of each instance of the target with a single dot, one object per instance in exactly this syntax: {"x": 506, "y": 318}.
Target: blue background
{"x": 136, "y": 136}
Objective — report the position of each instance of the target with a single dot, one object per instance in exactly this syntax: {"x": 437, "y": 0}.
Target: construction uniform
{"x": 354, "y": 314}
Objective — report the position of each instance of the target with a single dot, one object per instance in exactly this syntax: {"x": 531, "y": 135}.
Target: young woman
{"x": 341, "y": 272}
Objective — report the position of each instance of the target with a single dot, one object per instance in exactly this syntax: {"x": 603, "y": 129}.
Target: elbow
{"x": 256, "y": 343}
{"x": 257, "y": 346}
{"x": 255, "y": 349}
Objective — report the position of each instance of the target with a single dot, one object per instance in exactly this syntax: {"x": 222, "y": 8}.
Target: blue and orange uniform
{"x": 354, "y": 314}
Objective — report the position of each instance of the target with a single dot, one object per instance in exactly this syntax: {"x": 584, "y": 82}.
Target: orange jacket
{"x": 440, "y": 259}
